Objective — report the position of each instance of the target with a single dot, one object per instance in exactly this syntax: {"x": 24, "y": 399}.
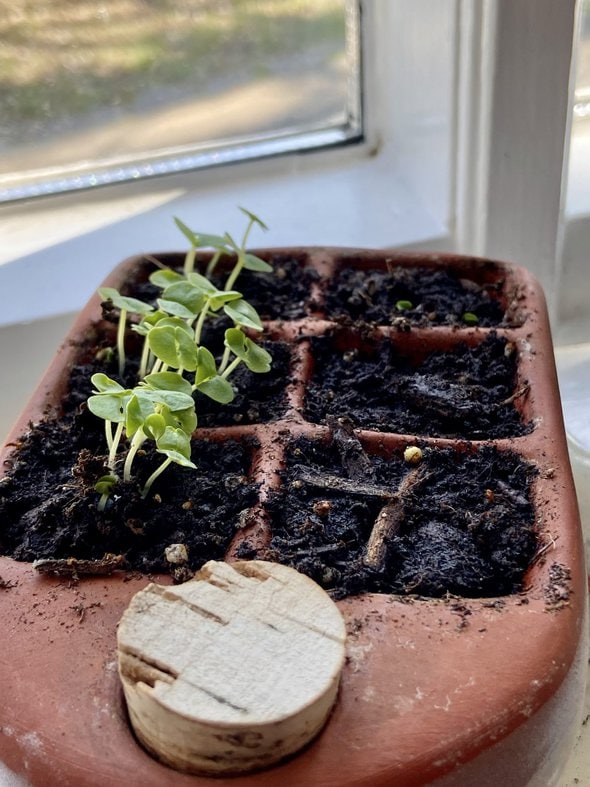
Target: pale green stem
{"x": 240, "y": 263}
{"x": 235, "y": 363}
{"x": 136, "y": 443}
{"x": 248, "y": 229}
{"x": 213, "y": 263}
{"x": 157, "y": 366}
{"x": 154, "y": 475}
{"x": 231, "y": 280}
{"x": 224, "y": 360}
{"x": 108, "y": 433}
{"x": 201, "y": 323}
{"x": 189, "y": 261}
{"x": 103, "y": 501}
{"x": 115, "y": 445}
{"x": 145, "y": 355}
{"x": 121, "y": 340}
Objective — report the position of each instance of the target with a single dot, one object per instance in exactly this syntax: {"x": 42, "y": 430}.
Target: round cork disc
{"x": 232, "y": 671}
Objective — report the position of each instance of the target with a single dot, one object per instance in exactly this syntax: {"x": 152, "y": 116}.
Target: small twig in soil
{"x": 550, "y": 544}
{"x": 337, "y": 484}
{"x": 523, "y": 391}
{"x": 389, "y": 520}
{"x": 352, "y": 454}
{"x": 323, "y": 550}
{"x": 450, "y": 402}
{"x": 74, "y": 567}
{"x": 409, "y": 587}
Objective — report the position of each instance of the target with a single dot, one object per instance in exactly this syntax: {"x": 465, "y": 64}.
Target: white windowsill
{"x": 55, "y": 252}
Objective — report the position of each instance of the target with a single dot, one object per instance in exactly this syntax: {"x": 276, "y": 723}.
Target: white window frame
{"x": 515, "y": 100}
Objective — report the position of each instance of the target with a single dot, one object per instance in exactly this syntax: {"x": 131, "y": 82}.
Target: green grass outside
{"x": 62, "y": 58}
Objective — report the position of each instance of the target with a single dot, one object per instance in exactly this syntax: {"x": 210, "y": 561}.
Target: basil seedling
{"x": 173, "y": 363}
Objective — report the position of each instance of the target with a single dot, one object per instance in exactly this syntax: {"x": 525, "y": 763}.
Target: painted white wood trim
{"x": 514, "y": 96}
{"x": 474, "y": 83}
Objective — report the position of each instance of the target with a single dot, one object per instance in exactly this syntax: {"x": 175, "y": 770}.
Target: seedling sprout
{"x": 124, "y": 305}
{"x": 174, "y": 363}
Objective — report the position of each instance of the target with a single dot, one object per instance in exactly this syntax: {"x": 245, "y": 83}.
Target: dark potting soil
{"x": 456, "y": 536}
{"x": 467, "y": 527}
{"x": 281, "y": 295}
{"x": 48, "y": 506}
{"x": 259, "y": 398}
{"x": 465, "y": 393}
{"x": 422, "y": 296}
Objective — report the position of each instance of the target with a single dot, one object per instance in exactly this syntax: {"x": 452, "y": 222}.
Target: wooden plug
{"x": 232, "y": 671}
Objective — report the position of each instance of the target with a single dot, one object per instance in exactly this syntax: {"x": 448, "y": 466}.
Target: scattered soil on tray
{"x": 466, "y": 529}
{"x": 464, "y": 393}
{"x": 423, "y": 296}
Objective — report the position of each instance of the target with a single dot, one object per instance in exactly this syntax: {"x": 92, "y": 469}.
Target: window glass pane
{"x": 102, "y": 90}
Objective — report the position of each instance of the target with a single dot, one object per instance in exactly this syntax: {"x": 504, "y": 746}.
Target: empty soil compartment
{"x": 417, "y": 384}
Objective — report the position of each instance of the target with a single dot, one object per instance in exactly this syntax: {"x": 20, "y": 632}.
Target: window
{"x": 578, "y": 195}
{"x": 574, "y": 309}
{"x": 106, "y": 91}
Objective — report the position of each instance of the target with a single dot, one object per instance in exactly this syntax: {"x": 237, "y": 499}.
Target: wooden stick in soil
{"x": 74, "y": 567}
{"x": 354, "y": 460}
{"x": 337, "y": 484}
{"x": 352, "y": 454}
{"x": 390, "y": 519}
{"x": 232, "y": 671}
{"x": 516, "y": 395}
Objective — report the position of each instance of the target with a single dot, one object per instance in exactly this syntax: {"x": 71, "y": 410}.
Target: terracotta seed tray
{"x": 448, "y": 690}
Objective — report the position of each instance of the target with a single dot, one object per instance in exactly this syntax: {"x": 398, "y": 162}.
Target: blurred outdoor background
{"x": 88, "y": 80}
